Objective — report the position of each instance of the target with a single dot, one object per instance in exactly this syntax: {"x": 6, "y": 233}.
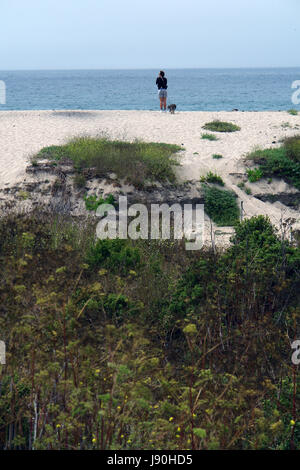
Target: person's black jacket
{"x": 161, "y": 83}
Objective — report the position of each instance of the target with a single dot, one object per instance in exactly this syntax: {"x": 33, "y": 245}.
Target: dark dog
{"x": 172, "y": 108}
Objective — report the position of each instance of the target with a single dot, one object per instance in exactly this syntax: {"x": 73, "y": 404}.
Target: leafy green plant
{"x": 254, "y": 174}
{"x": 92, "y": 202}
{"x": 293, "y": 112}
{"x": 221, "y": 126}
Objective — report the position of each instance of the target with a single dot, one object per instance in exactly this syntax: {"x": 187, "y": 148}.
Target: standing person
{"x": 162, "y": 86}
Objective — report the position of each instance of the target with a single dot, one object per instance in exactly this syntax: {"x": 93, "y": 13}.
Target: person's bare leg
{"x": 165, "y": 103}
{"x": 161, "y": 103}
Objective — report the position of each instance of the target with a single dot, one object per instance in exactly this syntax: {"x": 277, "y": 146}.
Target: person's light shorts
{"x": 162, "y": 93}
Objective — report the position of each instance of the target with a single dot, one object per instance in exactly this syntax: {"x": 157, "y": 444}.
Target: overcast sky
{"x": 83, "y": 34}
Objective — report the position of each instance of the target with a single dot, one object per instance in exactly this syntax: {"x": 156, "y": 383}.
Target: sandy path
{"x": 22, "y": 133}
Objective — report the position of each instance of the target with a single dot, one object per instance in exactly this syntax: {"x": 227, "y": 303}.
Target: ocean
{"x": 191, "y": 89}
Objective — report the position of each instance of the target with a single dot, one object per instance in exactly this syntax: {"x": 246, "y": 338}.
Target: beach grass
{"x": 293, "y": 112}
{"x": 221, "y": 126}
{"x": 209, "y": 137}
{"x": 136, "y": 162}
{"x": 211, "y": 177}
{"x": 283, "y": 162}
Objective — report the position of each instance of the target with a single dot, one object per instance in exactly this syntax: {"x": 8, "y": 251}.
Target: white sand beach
{"x": 23, "y": 133}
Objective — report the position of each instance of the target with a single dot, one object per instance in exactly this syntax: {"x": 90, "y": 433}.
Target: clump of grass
{"x": 244, "y": 188}
{"x": 283, "y": 162}
{"x": 54, "y": 152}
{"x": 221, "y": 206}
{"x": 286, "y": 125}
{"x": 292, "y": 146}
{"x": 217, "y": 156}
{"x": 209, "y": 137}
{"x": 212, "y": 178}
{"x": 254, "y": 175}
{"x": 221, "y": 126}
{"x": 137, "y": 162}
{"x": 293, "y": 112}
{"x": 23, "y": 195}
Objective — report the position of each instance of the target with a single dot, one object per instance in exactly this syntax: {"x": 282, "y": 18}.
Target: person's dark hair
{"x": 162, "y": 73}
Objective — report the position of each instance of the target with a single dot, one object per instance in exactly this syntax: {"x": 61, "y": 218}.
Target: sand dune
{"x": 23, "y": 133}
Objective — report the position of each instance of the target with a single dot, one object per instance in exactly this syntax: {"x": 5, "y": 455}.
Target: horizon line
{"x": 150, "y": 68}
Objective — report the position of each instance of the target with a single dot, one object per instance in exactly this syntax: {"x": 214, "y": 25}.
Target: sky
{"x": 118, "y": 34}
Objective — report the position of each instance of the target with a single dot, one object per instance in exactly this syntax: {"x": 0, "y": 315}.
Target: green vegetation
{"x": 221, "y": 126}
{"x": 92, "y": 203}
{"x": 221, "y": 206}
{"x": 217, "y": 156}
{"x": 212, "y": 178}
{"x": 283, "y": 162}
{"x": 209, "y": 137}
{"x": 23, "y": 195}
{"x": 114, "y": 255}
{"x": 254, "y": 175}
{"x": 118, "y": 345}
{"x": 292, "y": 147}
{"x": 293, "y": 112}
{"x": 244, "y": 188}
{"x": 136, "y": 162}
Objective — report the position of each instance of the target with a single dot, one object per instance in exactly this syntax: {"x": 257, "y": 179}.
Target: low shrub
{"x": 116, "y": 255}
{"x": 221, "y": 126}
{"x": 221, "y": 206}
